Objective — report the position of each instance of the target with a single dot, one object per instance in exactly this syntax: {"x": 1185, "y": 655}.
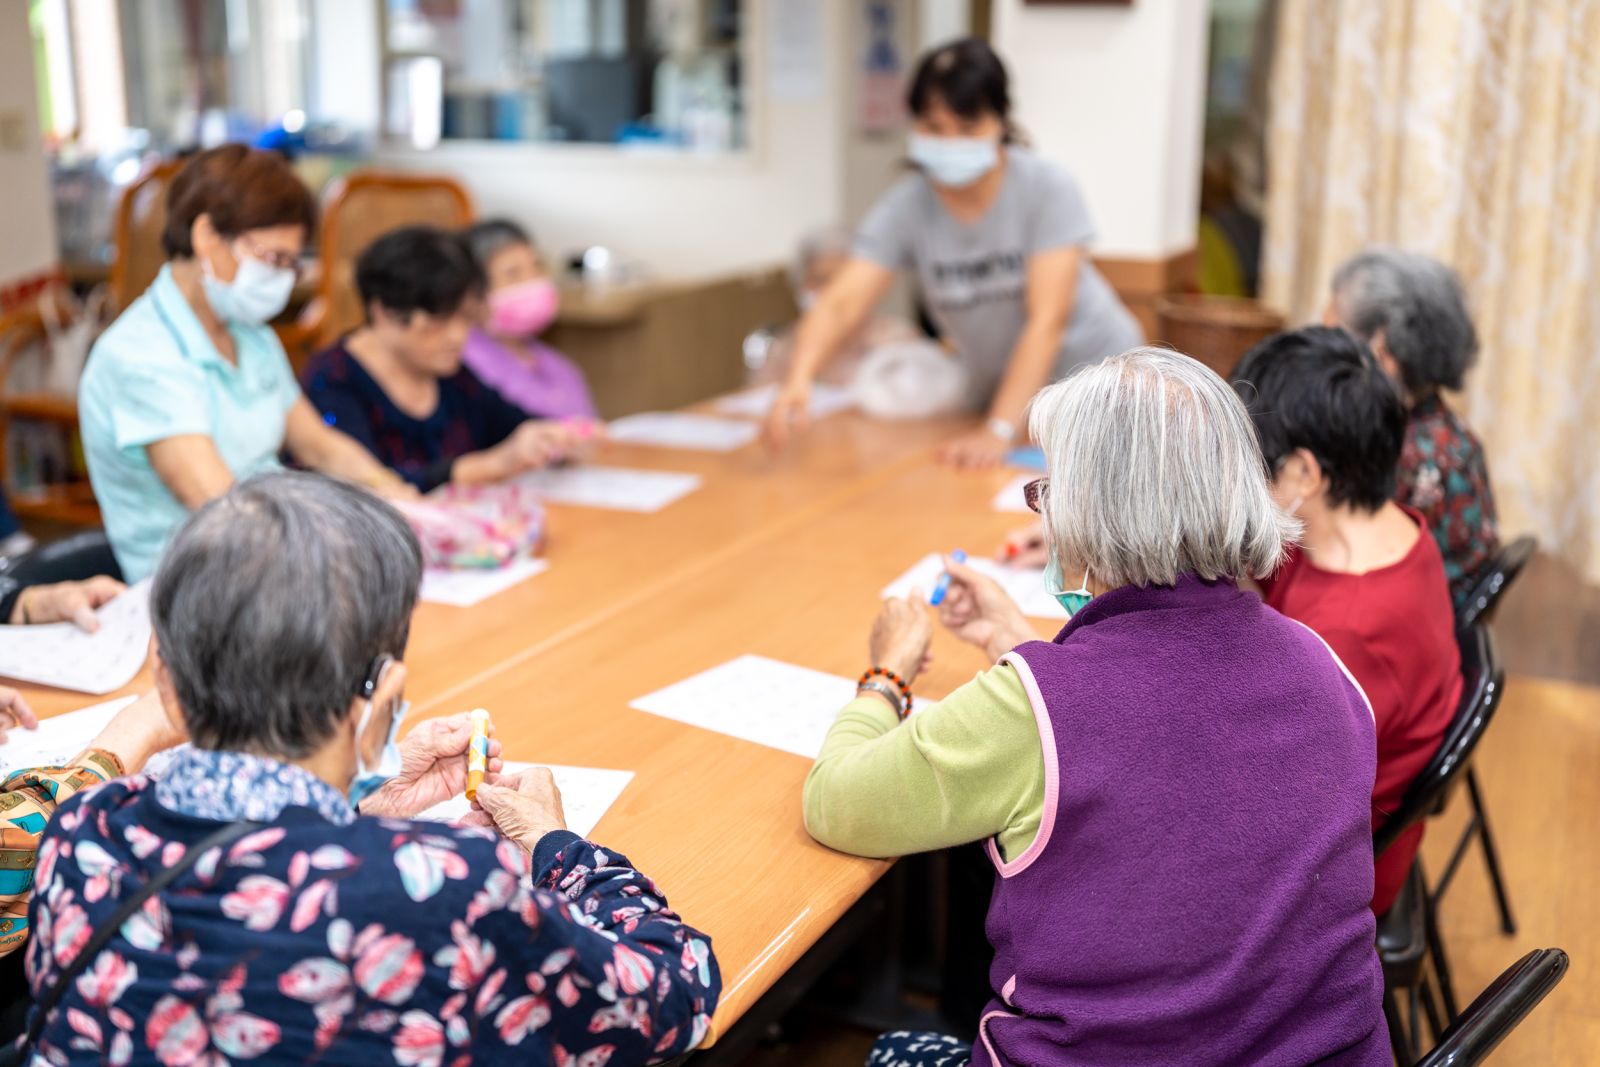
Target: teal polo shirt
{"x": 154, "y": 374}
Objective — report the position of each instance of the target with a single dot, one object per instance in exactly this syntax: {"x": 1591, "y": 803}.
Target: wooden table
{"x": 781, "y": 556}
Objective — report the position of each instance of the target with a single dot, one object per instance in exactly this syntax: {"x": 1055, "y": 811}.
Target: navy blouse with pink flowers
{"x": 328, "y": 937}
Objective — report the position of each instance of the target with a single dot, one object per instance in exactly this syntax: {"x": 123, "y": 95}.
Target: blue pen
{"x": 942, "y": 586}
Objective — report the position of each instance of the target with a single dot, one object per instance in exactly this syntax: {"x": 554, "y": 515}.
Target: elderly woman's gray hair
{"x": 489, "y": 238}
{"x": 1418, "y": 305}
{"x": 273, "y": 602}
{"x": 823, "y": 241}
{"x": 1155, "y": 472}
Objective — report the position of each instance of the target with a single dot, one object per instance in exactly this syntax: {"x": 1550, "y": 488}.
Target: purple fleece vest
{"x": 1198, "y": 890}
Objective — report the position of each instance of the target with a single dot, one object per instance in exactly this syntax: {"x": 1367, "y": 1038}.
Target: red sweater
{"x": 1394, "y": 629}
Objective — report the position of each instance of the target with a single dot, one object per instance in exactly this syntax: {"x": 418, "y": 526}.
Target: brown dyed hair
{"x": 241, "y": 188}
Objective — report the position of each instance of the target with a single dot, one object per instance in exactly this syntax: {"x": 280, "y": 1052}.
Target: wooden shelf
{"x": 68, "y": 502}
{"x": 46, "y": 407}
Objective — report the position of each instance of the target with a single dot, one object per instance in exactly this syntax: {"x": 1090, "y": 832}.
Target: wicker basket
{"x": 1216, "y": 330}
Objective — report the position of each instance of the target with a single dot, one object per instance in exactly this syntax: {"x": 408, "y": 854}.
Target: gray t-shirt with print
{"x": 973, "y": 276}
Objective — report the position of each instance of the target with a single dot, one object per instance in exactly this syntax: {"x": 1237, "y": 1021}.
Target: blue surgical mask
{"x": 257, "y": 294}
{"x": 1055, "y": 584}
{"x": 369, "y": 779}
{"x": 953, "y": 161}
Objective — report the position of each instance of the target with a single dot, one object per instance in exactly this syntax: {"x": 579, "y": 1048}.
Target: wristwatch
{"x": 1003, "y": 429}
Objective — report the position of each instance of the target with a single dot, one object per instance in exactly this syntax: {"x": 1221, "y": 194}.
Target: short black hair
{"x": 272, "y": 604}
{"x": 488, "y": 238}
{"x": 418, "y": 268}
{"x": 1320, "y": 388}
{"x": 967, "y": 76}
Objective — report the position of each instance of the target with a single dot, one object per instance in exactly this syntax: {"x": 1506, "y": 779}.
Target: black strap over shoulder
{"x": 103, "y": 934}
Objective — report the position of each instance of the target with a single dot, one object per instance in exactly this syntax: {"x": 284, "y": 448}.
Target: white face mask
{"x": 257, "y": 294}
{"x": 953, "y": 161}
{"x": 369, "y": 779}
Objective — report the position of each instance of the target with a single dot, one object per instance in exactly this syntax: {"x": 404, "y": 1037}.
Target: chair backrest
{"x": 1491, "y": 586}
{"x": 1498, "y": 1010}
{"x": 71, "y": 559}
{"x": 358, "y": 209}
{"x": 141, "y": 216}
{"x": 1483, "y": 685}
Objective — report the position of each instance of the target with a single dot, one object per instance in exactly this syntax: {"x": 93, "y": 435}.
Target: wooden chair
{"x": 358, "y": 209}
{"x": 22, "y": 334}
{"x": 141, "y": 216}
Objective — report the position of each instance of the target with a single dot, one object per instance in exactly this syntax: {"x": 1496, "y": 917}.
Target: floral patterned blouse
{"x": 327, "y": 937}
{"x": 1444, "y": 476}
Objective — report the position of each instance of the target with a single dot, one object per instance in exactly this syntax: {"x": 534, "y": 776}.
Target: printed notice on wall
{"x": 795, "y": 52}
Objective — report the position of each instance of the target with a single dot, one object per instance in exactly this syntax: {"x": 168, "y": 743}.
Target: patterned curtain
{"x": 1469, "y": 130}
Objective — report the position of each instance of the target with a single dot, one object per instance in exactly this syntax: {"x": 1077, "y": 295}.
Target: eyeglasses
{"x": 1033, "y": 494}
{"x": 271, "y": 257}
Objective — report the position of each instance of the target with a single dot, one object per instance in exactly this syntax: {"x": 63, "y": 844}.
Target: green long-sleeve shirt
{"x": 965, "y": 769}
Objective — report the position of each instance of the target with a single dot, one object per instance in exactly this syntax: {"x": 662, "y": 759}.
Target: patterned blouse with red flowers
{"x": 1444, "y": 476}
{"x": 327, "y": 937}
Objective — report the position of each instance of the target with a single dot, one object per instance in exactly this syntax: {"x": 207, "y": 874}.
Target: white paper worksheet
{"x": 1010, "y": 498}
{"x": 466, "y": 586}
{"x": 1025, "y": 585}
{"x": 676, "y": 429}
{"x": 616, "y": 488}
{"x": 58, "y": 738}
{"x": 757, "y": 699}
{"x": 62, "y": 655}
{"x": 587, "y": 793}
{"x": 755, "y": 403}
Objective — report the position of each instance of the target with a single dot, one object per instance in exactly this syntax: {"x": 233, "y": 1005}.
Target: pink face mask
{"x": 524, "y": 309}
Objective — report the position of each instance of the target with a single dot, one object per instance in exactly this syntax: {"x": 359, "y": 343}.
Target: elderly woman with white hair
{"x": 1412, "y": 313}
{"x": 1174, "y": 792}
{"x": 823, "y": 253}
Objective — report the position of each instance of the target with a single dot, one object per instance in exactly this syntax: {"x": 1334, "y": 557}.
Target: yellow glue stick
{"x": 477, "y": 752}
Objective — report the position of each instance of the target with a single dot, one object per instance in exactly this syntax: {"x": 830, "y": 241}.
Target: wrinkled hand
{"x": 1024, "y": 547}
{"x": 73, "y": 602}
{"x": 14, "y": 712}
{"x": 539, "y": 443}
{"x": 790, "y": 414}
{"x": 396, "y": 488}
{"x": 981, "y": 613}
{"x": 433, "y": 768}
{"x": 139, "y": 731}
{"x": 523, "y": 807}
{"x": 901, "y": 635}
{"x": 978, "y": 450}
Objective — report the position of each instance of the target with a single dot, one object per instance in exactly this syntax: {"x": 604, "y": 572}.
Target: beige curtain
{"x": 1469, "y": 130}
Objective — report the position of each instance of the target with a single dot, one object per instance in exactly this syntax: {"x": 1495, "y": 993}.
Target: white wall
{"x": 1117, "y": 94}
{"x": 682, "y": 215}
{"x": 27, "y": 217}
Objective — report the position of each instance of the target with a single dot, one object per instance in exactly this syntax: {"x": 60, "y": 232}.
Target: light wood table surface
{"x": 783, "y": 556}
{"x": 716, "y": 820}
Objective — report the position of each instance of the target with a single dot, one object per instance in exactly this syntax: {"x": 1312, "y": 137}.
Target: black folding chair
{"x": 1492, "y": 583}
{"x": 1479, "y": 608}
{"x": 1413, "y": 920}
{"x": 1498, "y": 1010}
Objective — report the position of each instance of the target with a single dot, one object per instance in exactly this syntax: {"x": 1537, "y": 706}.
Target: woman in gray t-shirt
{"x": 996, "y": 236}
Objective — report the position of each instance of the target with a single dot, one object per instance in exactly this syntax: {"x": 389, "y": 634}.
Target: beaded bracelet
{"x": 898, "y": 682}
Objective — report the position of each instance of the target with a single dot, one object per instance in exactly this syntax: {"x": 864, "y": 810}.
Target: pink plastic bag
{"x": 476, "y": 526}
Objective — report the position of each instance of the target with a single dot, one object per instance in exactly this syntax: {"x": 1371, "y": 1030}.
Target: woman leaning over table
{"x": 998, "y": 239}
{"x": 1179, "y": 780}
{"x": 190, "y": 390}
{"x": 335, "y": 928}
